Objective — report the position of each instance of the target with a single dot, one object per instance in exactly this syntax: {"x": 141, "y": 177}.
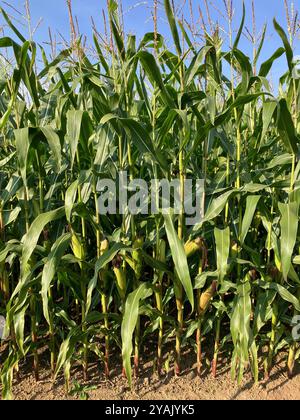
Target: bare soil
{"x": 149, "y": 387}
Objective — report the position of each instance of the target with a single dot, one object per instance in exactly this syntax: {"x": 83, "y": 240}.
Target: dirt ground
{"x": 149, "y": 387}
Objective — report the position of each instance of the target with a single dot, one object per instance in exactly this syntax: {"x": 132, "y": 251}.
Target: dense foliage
{"x": 82, "y": 285}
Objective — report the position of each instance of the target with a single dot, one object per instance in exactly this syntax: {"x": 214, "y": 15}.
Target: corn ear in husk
{"x": 206, "y": 297}
{"x": 137, "y": 257}
{"x": 192, "y": 247}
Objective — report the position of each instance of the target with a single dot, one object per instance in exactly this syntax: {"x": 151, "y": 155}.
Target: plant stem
{"x": 159, "y": 305}
{"x": 272, "y": 341}
{"x": 107, "y": 343}
{"x": 199, "y": 337}
{"x": 179, "y": 305}
{"x": 34, "y": 337}
{"x": 217, "y": 348}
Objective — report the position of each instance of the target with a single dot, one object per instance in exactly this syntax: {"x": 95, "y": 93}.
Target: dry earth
{"x": 149, "y": 387}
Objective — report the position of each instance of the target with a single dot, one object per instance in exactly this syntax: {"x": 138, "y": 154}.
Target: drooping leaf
{"x": 287, "y": 46}
{"x": 54, "y": 143}
{"x": 266, "y": 66}
{"x": 240, "y": 31}
{"x": 74, "y": 120}
{"x": 31, "y": 239}
{"x": 105, "y": 259}
{"x": 57, "y": 251}
{"x": 173, "y": 26}
{"x": 179, "y": 258}
{"x": 130, "y": 318}
{"x": 23, "y": 141}
{"x": 289, "y": 227}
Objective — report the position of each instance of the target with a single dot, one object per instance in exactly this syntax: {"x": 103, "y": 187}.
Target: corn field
{"x": 77, "y": 286}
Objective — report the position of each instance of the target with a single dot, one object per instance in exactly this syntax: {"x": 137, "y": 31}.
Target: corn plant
{"x": 91, "y": 286}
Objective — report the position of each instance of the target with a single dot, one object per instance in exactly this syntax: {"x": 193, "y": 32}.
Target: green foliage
{"x": 75, "y": 281}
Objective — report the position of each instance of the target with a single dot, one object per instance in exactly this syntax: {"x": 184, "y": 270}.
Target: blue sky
{"x": 137, "y": 19}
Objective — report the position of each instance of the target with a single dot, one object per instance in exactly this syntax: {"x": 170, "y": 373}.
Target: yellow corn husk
{"x": 121, "y": 281}
{"x": 104, "y": 246}
{"x": 120, "y": 276}
{"x": 191, "y": 247}
{"x": 234, "y": 252}
{"x": 77, "y": 247}
{"x": 206, "y": 297}
{"x": 137, "y": 257}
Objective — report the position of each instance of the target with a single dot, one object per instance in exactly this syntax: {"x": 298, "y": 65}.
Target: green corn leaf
{"x": 6, "y": 160}
{"x": 289, "y": 227}
{"x": 9, "y": 216}
{"x": 67, "y": 349}
{"x": 263, "y": 310}
{"x": 269, "y": 108}
{"x": 222, "y": 238}
{"x": 240, "y": 328}
{"x": 54, "y": 144}
{"x": 286, "y": 128}
{"x": 283, "y": 292}
{"x": 202, "y": 278}
{"x": 254, "y": 361}
{"x": 281, "y": 160}
{"x": 149, "y": 41}
{"x": 104, "y": 140}
{"x": 61, "y": 56}
{"x": 31, "y": 239}
{"x": 266, "y": 66}
{"x": 172, "y": 23}
{"x": 149, "y": 65}
{"x": 217, "y": 205}
{"x": 57, "y": 251}
{"x": 74, "y": 120}
{"x": 240, "y": 31}
{"x": 66, "y": 86}
{"x": 179, "y": 258}
{"x": 296, "y": 260}
{"x": 186, "y": 37}
{"x": 14, "y": 184}
{"x": 118, "y": 38}
{"x": 100, "y": 54}
{"x": 139, "y": 136}
{"x": 251, "y": 205}
{"x": 70, "y": 198}
{"x": 105, "y": 259}
{"x": 195, "y": 65}
{"x": 12, "y": 26}
{"x": 19, "y": 325}
{"x": 130, "y": 318}
{"x": 7, "y": 374}
{"x": 287, "y": 46}
{"x": 23, "y": 141}
{"x": 261, "y": 44}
